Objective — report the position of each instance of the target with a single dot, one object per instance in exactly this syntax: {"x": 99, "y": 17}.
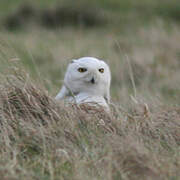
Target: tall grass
{"x": 43, "y": 139}
{"x": 152, "y": 52}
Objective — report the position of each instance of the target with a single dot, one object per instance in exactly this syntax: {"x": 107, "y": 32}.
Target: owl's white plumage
{"x": 90, "y": 86}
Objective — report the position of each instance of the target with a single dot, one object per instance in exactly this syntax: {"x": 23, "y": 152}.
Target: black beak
{"x": 92, "y": 81}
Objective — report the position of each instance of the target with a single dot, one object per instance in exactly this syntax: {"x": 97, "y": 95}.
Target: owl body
{"x": 87, "y": 80}
{"x": 86, "y": 98}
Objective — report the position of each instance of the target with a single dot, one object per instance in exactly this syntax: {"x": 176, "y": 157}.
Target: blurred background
{"x": 140, "y": 40}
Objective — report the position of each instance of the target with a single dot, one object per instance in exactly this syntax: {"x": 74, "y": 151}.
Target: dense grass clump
{"x": 43, "y": 139}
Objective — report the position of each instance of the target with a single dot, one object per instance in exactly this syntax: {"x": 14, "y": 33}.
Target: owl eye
{"x": 101, "y": 70}
{"x": 81, "y": 70}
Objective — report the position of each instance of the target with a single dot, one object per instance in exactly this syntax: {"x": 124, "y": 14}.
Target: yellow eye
{"x": 81, "y": 70}
{"x": 101, "y": 70}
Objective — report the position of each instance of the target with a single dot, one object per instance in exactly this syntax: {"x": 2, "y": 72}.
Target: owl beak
{"x": 93, "y": 80}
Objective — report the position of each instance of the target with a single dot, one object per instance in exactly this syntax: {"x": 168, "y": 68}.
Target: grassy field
{"x": 41, "y": 139}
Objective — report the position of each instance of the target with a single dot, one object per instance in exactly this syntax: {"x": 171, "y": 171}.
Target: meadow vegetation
{"x": 44, "y": 139}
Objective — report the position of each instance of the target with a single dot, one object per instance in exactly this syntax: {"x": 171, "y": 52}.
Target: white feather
{"x": 91, "y": 86}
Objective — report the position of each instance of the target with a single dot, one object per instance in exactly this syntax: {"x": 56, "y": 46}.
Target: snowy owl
{"x": 87, "y": 80}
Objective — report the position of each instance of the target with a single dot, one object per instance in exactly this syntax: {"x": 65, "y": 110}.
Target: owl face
{"x": 89, "y": 75}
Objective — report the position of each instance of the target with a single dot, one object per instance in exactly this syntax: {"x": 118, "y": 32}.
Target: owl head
{"x": 88, "y": 75}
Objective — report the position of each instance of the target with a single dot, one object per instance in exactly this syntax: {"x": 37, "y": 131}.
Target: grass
{"x": 44, "y": 139}
{"x": 122, "y": 14}
{"x": 45, "y": 54}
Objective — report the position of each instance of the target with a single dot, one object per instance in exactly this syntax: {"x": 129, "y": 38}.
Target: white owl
{"x": 87, "y": 80}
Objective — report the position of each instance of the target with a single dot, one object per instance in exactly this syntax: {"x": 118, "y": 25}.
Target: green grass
{"x": 143, "y": 9}
{"x": 121, "y": 14}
